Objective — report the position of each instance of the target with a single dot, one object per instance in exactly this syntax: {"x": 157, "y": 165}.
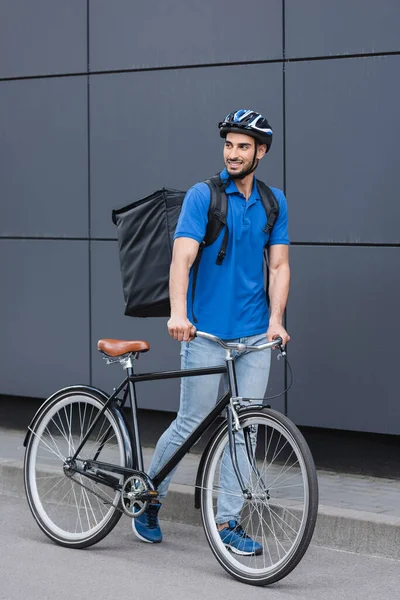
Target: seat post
{"x": 132, "y": 395}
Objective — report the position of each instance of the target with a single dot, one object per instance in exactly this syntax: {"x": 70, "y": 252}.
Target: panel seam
{"x": 205, "y": 65}
{"x": 106, "y": 239}
{"x": 89, "y": 194}
{"x": 285, "y": 316}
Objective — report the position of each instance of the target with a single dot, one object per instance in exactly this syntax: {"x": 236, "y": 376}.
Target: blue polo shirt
{"x": 230, "y": 300}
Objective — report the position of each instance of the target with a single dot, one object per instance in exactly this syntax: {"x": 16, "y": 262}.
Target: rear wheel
{"x": 279, "y": 508}
{"x": 70, "y": 508}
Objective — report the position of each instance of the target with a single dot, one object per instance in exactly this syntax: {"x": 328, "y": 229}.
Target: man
{"x": 230, "y": 302}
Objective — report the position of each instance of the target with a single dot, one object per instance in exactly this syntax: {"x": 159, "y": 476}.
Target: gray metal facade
{"x": 102, "y": 102}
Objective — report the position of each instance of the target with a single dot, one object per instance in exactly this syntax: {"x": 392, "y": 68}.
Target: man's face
{"x": 239, "y": 153}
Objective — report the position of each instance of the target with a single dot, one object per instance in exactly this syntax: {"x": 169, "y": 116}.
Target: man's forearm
{"x": 178, "y": 286}
{"x": 279, "y": 281}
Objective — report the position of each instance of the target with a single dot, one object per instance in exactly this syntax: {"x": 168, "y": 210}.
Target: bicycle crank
{"x": 135, "y": 496}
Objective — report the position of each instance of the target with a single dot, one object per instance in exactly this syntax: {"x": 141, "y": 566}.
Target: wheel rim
{"x": 276, "y": 515}
{"x": 66, "y": 509}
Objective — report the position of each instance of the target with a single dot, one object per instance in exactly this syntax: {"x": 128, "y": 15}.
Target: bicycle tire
{"x": 282, "y": 512}
{"x": 67, "y": 512}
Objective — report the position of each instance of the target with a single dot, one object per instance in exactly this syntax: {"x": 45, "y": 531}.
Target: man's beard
{"x": 238, "y": 173}
{"x": 244, "y": 171}
{"x": 246, "y": 168}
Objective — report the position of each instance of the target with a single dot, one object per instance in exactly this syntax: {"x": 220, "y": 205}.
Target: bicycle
{"x": 83, "y": 467}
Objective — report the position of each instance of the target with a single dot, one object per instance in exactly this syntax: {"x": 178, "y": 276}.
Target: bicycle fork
{"x": 233, "y": 428}
{"x": 233, "y": 421}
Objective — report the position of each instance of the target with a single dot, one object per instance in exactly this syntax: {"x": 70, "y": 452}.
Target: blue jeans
{"x": 198, "y": 396}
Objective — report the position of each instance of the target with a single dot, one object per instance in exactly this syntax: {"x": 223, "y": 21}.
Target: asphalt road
{"x": 182, "y": 567}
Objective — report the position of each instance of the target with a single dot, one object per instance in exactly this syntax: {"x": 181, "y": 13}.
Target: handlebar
{"x": 277, "y": 343}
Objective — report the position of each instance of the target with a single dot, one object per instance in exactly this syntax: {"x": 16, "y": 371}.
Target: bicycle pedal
{"x": 147, "y": 495}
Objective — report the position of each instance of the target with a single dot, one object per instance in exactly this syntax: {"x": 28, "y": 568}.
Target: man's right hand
{"x": 181, "y": 329}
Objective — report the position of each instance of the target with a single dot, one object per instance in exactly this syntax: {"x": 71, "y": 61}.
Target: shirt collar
{"x": 232, "y": 188}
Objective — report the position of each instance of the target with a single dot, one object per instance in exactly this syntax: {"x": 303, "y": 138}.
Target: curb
{"x": 342, "y": 529}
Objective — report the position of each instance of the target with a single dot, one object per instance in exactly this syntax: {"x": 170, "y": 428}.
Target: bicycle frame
{"x": 256, "y": 478}
{"x": 129, "y": 386}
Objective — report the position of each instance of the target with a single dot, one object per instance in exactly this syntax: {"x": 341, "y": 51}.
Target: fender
{"x": 197, "y": 489}
{"x": 102, "y": 396}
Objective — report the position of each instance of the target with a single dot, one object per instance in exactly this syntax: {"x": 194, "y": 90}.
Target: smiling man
{"x": 230, "y": 302}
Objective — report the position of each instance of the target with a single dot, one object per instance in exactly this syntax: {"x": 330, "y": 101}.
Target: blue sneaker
{"x": 146, "y": 527}
{"x": 235, "y": 538}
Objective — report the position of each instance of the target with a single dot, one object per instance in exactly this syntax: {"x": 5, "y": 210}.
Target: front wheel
{"x": 71, "y": 509}
{"x": 278, "y": 509}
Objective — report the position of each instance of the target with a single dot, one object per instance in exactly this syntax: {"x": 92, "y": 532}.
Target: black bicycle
{"x": 83, "y": 467}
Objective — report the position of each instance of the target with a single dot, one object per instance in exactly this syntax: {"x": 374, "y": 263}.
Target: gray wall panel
{"x": 108, "y": 321}
{"x": 44, "y": 306}
{"x": 126, "y": 34}
{"x": 342, "y": 130}
{"x": 343, "y": 316}
{"x": 321, "y": 28}
{"x": 42, "y": 37}
{"x": 155, "y": 129}
{"x": 43, "y": 166}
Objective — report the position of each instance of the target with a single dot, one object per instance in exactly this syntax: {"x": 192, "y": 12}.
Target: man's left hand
{"x": 276, "y": 330}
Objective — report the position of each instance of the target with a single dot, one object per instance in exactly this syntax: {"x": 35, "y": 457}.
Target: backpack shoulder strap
{"x": 218, "y": 210}
{"x": 217, "y": 215}
{"x": 270, "y": 204}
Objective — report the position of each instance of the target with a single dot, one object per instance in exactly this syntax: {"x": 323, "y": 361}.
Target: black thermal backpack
{"x": 146, "y": 230}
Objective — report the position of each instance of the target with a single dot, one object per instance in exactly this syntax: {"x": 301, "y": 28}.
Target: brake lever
{"x": 282, "y": 352}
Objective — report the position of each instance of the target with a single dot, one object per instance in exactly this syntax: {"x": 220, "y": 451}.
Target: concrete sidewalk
{"x": 356, "y": 513}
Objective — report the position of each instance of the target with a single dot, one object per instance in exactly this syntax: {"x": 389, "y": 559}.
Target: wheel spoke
{"x": 281, "y": 484}
{"x": 69, "y": 509}
{"x": 48, "y": 448}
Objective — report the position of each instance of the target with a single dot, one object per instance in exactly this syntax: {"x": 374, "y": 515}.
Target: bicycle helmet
{"x": 248, "y": 122}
